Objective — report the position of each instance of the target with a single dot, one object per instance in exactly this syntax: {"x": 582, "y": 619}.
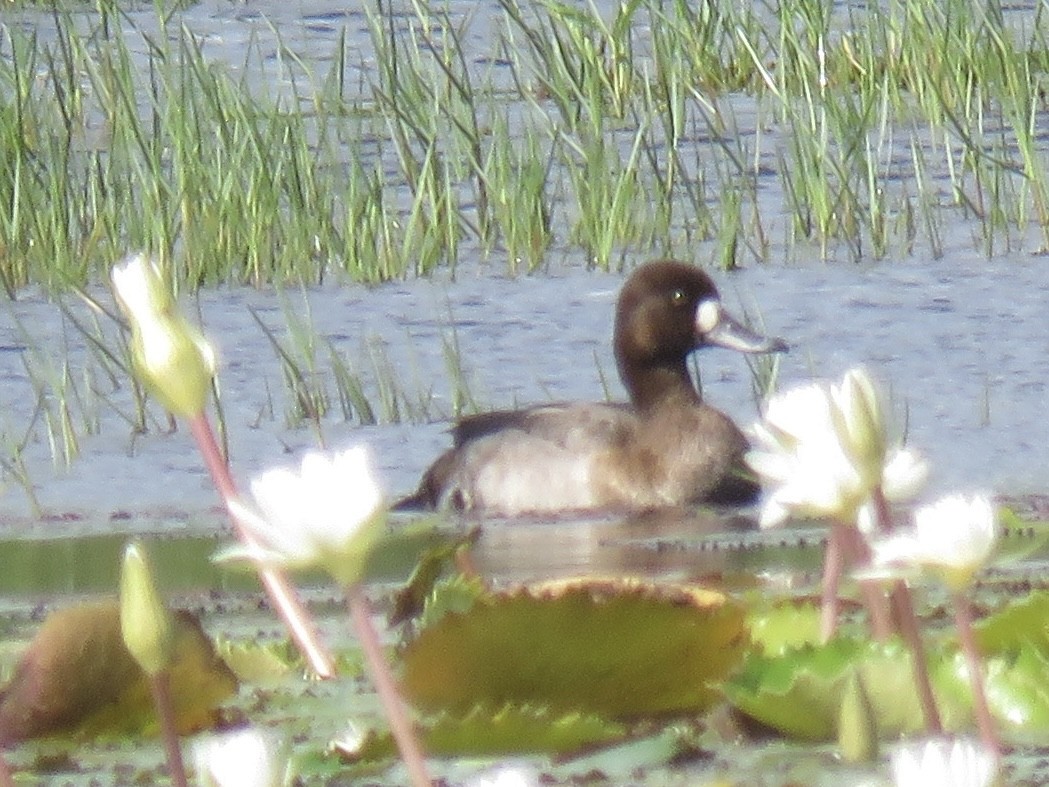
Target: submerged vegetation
{"x": 717, "y": 130}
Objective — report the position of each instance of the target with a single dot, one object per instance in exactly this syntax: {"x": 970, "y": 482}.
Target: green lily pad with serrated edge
{"x": 409, "y": 601}
{"x": 455, "y": 595}
{"x": 509, "y": 730}
{"x": 784, "y": 627}
{"x": 259, "y": 663}
{"x": 799, "y": 692}
{"x": 615, "y": 648}
{"x": 1023, "y": 620}
{"x": 1017, "y": 690}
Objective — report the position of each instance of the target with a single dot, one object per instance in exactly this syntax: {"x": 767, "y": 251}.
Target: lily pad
{"x": 77, "y": 677}
{"x": 1017, "y": 692}
{"x": 785, "y": 627}
{"x": 1024, "y": 620}
{"x": 799, "y": 693}
{"x": 617, "y": 648}
{"x": 508, "y": 730}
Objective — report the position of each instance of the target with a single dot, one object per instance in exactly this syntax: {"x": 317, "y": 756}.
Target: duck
{"x": 664, "y": 448}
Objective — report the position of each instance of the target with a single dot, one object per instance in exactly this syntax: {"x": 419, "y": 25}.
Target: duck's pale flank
{"x": 665, "y": 448}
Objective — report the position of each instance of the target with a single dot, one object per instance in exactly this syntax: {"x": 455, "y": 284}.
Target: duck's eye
{"x": 678, "y": 298}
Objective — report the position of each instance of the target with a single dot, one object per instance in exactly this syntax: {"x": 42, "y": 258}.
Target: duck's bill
{"x": 717, "y": 327}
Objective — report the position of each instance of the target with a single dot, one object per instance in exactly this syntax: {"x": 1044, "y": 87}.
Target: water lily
{"x": 801, "y": 460}
{"x": 327, "y": 512}
{"x": 815, "y": 479}
{"x": 822, "y": 451}
{"x": 145, "y": 621}
{"x": 858, "y": 420}
{"x": 940, "y": 762}
{"x": 952, "y": 538}
{"x": 170, "y": 356}
{"x": 177, "y": 365}
{"x": 507, "y": 775}
{"x": 245, "y": 758}
{"x": 903, "y": 474}
{"x": 148, "y": 632}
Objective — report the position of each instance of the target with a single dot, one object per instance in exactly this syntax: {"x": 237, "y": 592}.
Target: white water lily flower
{"x": 821, "y": 451}
{"x": 939, "y": 762}
{"x": 171, "y": 357}
{"x": 507, "y": 775}
{"x": 815, "y": 479}
{"x": 327, "y": 513}
{"x": 244, "y": 758}
{"x": 801, "y": 459}
{"x": 904, "y": 474}
{"x": 795, "y": 413}
{"x": 952, "y": 538}
{"x": 903, "y": 477}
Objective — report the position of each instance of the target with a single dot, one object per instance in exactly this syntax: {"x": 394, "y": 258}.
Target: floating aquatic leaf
{"x": 77, "y": 676}
{"x": 1021, "y": 538}
{"x": 618, "y": 648}
{"x": 411, "y": 600}
{"x": 1023, "y": 620}
{"x": 512, "y": 729}
{"x": 1017, "y": 692}
{"x": 784, "y": 627}
{"x": 259, "y": 663}
{"x": 799, "y": 693}
{"x": 792, "y": 693}
{"x": 402, "y": 545}
{"x": 456, "y": 595}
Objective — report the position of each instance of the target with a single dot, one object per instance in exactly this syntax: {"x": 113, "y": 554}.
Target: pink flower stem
{"x": 903, "y": 605}
{"x": 833, "y": 565}
{"x": 400, "y": 725}
{"x": 280, "y": 592}
{"x": 963, "y": 619}
{"x": 6, "y": 779}
{"x": 907, "y": 621}
{"x": 855, "y": 553}
{"x": 160, "y": 687}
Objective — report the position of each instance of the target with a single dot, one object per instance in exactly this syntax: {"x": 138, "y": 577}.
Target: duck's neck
{"x": 657, "y": 385}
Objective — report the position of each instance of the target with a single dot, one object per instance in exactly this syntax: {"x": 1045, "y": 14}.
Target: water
{"x": 962, "y": 348}
{"x": 960, "y": 342}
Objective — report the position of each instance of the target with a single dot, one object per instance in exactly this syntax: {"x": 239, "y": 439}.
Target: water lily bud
{"x": 145, "y": 621}
{"x": 859, "y": 422}
{"x": 857, "y": 730}
{"x": 170, "y": 356}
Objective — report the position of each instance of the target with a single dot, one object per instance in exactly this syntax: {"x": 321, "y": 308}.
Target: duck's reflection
{"x": 694, "y": 545}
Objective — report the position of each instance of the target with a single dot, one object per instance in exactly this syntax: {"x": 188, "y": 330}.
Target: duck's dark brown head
{"x": 666, "y": 310}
